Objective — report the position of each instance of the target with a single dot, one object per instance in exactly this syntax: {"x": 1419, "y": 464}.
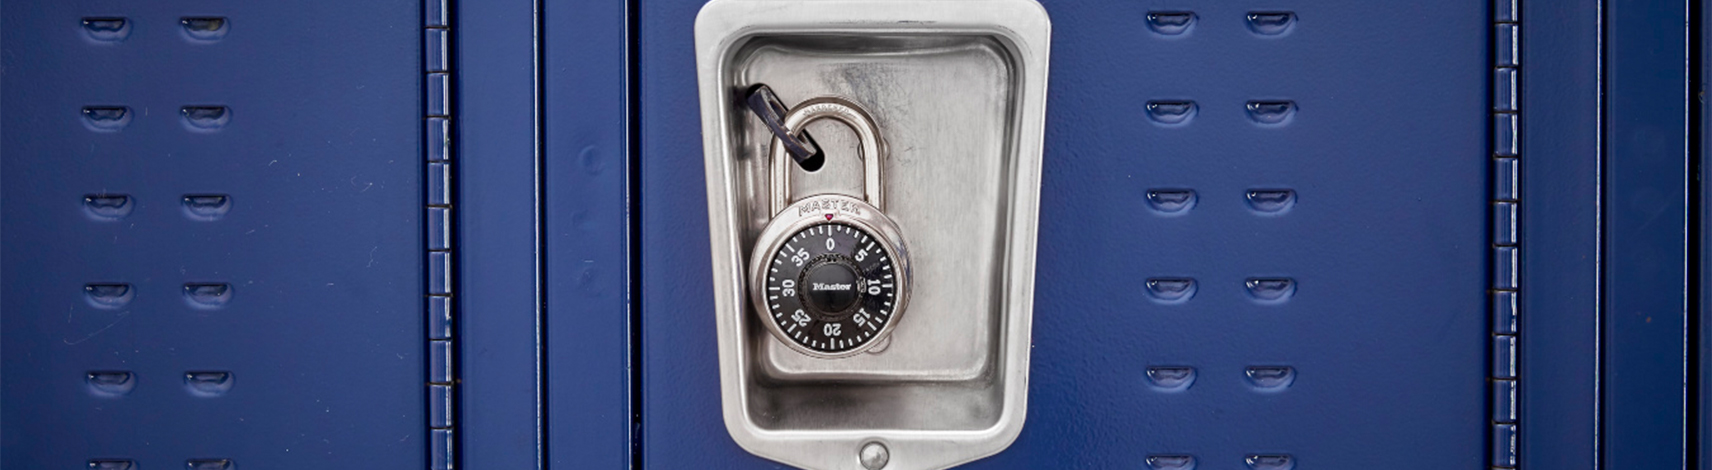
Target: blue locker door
{"x": 213, "y": 235}
{"x": 1385, "y": 242}
{"x": 1338, "y": 171}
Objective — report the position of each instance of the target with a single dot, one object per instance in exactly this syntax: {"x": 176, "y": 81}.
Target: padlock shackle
{"x": 869, "y": 145}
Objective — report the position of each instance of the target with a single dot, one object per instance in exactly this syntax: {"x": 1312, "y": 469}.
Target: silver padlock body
{"x": 826, "y": 235}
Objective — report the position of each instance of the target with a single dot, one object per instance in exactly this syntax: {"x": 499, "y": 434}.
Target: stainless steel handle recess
{"x": 959, "y": 87}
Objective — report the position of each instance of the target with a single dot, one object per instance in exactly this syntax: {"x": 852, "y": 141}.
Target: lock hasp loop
{"x": 870, "y": 146}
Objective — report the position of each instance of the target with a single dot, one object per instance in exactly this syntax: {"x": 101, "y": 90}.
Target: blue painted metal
{"x": 1560, "y": 99}
{"x": 585, "y": 165}
{"x": 499, "y": 246}
{"x": 1646, "y": 230}
{"x": 1701, "y": 205}
{"x": 313, "y": 266}
{"x": 1387, "y": 242}
{"x": 681, "y": 424}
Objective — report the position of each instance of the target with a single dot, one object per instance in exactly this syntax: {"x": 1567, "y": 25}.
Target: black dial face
{"x": 831, "y": 288}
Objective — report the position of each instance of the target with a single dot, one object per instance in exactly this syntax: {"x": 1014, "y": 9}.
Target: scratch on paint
{"x": 116, "y": 321}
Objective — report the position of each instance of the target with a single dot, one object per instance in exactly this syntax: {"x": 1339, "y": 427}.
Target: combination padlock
{"x": 829, "y": 275}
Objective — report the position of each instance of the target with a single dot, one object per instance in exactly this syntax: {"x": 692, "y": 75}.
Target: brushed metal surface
{"x": 940, "y": 103}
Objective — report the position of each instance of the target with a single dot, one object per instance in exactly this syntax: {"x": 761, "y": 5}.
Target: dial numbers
{"x": 833, "y": 287}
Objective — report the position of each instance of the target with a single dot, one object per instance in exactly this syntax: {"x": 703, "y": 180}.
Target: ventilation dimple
{"x": 107, "y": 29}
{"x": 112, "y": 464}
{"x": 207, "y": 296}
{"x": 204, "y": 28}
{"x": 1270, "y": 462}
{"x": 210, "y": 464}
{"x": 208, "y": 383}
{"x": 1171, "y": 378}
{"x": 206, "y": 118}
{"x": 1271, "y": 201}
{"x": 1170, "y": 290}
{"x": 111, "y": 383}
{"x": 206, "y": 207}
{"x": 1271, "y": 23}
{"x": 1270, "y": 289}
{"x": 1271, "y": 377}
{"x": 107, "y": 206}
{"x": 1271, "y": 112}
{"x": 1171, "y": 462}
{"x": 1170, "y": 23}
{"x": 1171, "y": 113}
{"x": 108, "y": 295}
{"x": 106, "y": 118}
{"x": 1171, "y": 201}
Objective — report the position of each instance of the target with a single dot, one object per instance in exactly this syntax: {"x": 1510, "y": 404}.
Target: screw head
{"x": 874, "y": 456}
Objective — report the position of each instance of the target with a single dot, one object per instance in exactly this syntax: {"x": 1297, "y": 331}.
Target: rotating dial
{"x": 831, "y": 288}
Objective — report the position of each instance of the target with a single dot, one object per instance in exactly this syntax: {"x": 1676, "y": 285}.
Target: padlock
{"x": 829, "y": 274}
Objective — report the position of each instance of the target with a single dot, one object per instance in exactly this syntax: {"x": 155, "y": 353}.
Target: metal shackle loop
{"x": 868, "y": 139}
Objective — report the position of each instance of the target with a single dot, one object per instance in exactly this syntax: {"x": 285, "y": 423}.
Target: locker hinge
{"x": 440, "y": 220}
{"x": 1506, "y": 239}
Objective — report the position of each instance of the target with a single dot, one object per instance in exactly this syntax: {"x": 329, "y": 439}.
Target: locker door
{"x": 213, "y": 235}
